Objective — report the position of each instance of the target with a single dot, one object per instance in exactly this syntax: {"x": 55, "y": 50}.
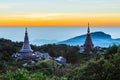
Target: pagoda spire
{"x": 26, "y": 48}
{"x": 88, "y": 42}
{"x": 26, "y": 31}
{"x": 88, "y": 31}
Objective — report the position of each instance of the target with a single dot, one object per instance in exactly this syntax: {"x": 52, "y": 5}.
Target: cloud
{"x": 2, "y": 6}
{"x": 10, "y": 5}
{"x": 62, "y": 6}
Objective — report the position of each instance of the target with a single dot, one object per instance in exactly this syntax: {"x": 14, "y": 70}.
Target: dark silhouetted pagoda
{"x": 88, "y": 42}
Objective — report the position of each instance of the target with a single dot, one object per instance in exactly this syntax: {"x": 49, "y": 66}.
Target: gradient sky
{"x": 59, "y": 12}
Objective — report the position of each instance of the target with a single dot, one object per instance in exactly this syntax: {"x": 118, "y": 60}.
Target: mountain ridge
{"x": 99, "y": 38}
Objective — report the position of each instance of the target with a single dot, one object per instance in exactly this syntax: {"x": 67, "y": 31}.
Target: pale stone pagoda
{"x": 26, "y": 50}
{"x": 26, "y": 53}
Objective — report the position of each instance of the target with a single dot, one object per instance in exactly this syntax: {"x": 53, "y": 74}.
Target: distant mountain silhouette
{"x": 99, "y": 39}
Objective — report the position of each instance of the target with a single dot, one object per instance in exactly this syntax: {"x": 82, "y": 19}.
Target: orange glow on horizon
{"x": 61, "y": 20}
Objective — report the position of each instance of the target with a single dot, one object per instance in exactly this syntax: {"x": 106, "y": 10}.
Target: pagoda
{"x": 88, "y": 45}
{"x": 26, "y": 53}
{"x": 26, "y": 50}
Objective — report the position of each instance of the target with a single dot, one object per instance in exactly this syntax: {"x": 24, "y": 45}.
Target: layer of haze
{"x": 53, "y": 33}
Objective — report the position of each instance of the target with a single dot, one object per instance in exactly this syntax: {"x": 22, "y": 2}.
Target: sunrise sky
{"x": 59, "y": 12}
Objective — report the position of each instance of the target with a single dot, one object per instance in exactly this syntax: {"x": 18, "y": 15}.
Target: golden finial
{"x": 88, "y": 28}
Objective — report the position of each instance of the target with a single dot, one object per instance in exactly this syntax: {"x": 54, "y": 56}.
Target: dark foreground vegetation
{"x": 93, "y": 66}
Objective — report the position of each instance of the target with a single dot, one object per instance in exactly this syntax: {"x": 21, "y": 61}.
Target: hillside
{"x": 78, "y": 67}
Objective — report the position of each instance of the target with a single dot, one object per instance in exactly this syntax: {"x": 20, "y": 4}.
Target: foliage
{"x": 23, "y": 74}
{"x": 93, "y": 66}
{"x": 111, "y": 51}
{"x": 101, "y": 69}
{"x": 69, "y": 52}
